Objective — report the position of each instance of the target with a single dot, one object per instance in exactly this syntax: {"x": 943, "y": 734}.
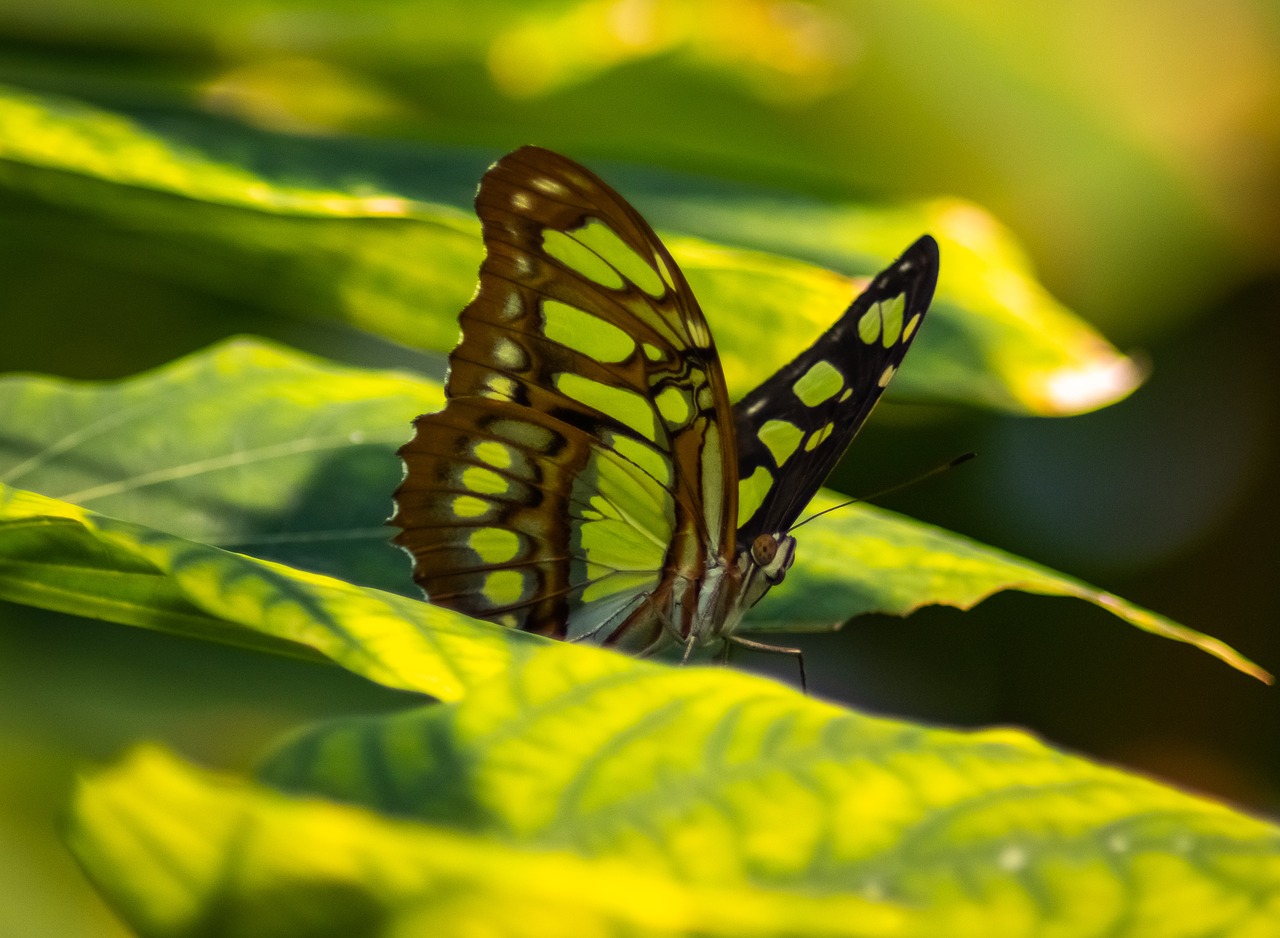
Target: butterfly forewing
{"x": 793, "y": 428}
{"x": 580, "y": 475}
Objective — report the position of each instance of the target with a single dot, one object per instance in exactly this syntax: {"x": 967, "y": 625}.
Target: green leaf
{"x": 158, "y": 837}
{"x": 995, "y": 337}
{"x": 672, "y": 792}
{"x": 292, "y": 459}
{"x": 58, "y": 556}
{"x": 116, "y": 192}
{"x": 248, "y": 446}
{"x": 864, "y": 559}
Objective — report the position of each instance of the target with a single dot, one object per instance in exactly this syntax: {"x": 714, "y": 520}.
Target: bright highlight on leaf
{"x": 998, "y": 338}
{"x": 1091, "y": 387}
{"x": 61, "y": 557}
{"x": 344, "y": 869}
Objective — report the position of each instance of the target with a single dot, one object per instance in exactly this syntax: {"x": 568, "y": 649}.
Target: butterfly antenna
{"x": 936, "y": 470}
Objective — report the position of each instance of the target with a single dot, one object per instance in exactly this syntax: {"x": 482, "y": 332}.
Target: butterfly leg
{"x": 722, "y": 658}
{"x": 774, "y": 650}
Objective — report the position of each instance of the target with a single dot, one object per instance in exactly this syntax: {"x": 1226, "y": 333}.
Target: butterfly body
{"x": 584, "y": 479}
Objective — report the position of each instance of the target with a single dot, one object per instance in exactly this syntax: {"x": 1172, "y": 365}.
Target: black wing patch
{"x": 794, "y": 428}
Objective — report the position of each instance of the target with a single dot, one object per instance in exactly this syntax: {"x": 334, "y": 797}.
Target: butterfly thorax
{"x": 696, "y": 608}
{"x": 728, "y": 591}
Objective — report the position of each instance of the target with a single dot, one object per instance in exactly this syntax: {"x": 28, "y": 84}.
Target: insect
{"x": 589, "y": 478}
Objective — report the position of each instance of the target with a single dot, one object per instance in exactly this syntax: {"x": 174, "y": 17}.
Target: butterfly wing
{"x": 582, "y": 471}
{"x": 793, "y": 428}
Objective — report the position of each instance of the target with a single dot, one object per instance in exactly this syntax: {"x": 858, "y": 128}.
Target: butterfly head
{"x": 773, "y": 555}
{"x": 765, "y": 565}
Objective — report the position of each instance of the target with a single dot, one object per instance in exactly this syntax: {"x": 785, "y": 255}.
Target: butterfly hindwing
{"x": 793, "y": 428}
{"x": 585, "y": 454}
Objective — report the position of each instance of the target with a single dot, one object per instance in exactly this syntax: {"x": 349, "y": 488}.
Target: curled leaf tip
{"x": 1091, "y": 385}
{"x": 1159, "y": 625}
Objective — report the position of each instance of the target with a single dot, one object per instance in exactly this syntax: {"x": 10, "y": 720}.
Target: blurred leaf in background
{"x": 1137, "y": 143}
{"x": 267, "y": 168}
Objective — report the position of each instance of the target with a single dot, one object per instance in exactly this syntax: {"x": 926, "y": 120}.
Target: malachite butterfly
{"x": 589, "y": 478}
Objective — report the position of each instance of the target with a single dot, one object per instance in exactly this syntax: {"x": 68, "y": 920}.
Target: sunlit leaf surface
{"x": 902, "y": 565}
{"x": 247, "y": 446}
{"x": 653, "y": 801}
{"x": 119, "y": 192}
{"x": 157, "y": 836}
{"x": 57, "y": 556}
{"x": 995, "y": 338}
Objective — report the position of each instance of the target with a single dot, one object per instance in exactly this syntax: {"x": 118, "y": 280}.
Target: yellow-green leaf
{"x": 58, "y": 556}
{"x": 158, "y": 837}
{"x": 866, "y": 559}
{"x": 113, "y": 192}
{"x": 663, "y": 794}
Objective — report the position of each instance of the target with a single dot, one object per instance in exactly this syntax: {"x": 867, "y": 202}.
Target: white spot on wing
{"x": 699, "y": 335}
{"x": 549, "y": 186}
{"x": 508, "y": 354}
{"x": 499, "y": 387}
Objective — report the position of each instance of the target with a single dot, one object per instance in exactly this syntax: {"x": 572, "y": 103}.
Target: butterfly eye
{"x": 763, "y": 549}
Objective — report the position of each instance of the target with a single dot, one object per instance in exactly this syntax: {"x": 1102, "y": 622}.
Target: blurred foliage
{"x": 1134, "y": 149}
{"x": 1020, "y": 839}
{"x": 1128, "y": 139}
{"x": 110, "y": 189}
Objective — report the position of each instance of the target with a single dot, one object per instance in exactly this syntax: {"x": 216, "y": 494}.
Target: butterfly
{"x": 588, "y": 477}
